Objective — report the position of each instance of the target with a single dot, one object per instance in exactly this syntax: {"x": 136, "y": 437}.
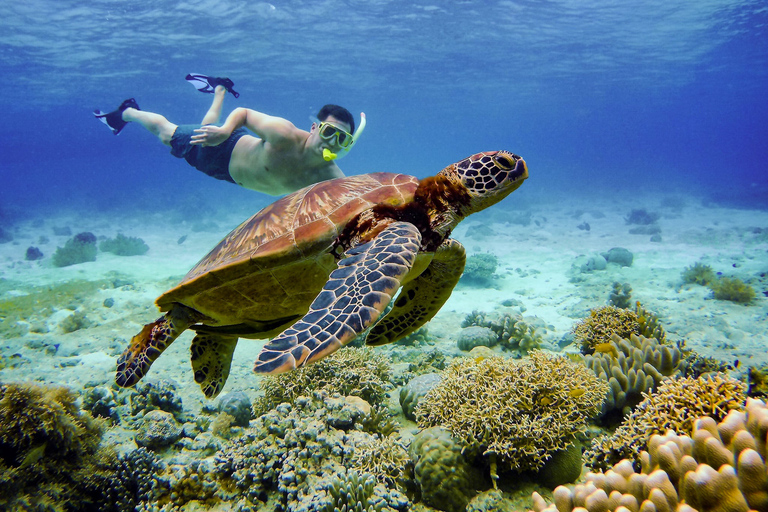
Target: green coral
{"x": 513, "y": 333}
{"x": 700, "y": 274}
{"x": 733, "y": 289}
{"x": 516, "y": 412}
{"x": 480, "y": 268}
{"x": 80, "y": 248}
{"x": 353, "y": 371}
{"x": 123, "y": 245}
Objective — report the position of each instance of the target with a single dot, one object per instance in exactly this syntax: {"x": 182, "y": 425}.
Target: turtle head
{"x": 487, "y": 178}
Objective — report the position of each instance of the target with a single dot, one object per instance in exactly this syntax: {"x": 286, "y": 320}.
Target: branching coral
{"x": 675, "y": 405}
{"x": 123, "y": 245}
{"x": 352, "y": 371}
{"x": 678, "y": 472}
{"x": 385, "y": 457}
{"x": 699, "y": 273}
{"x": 603, "y": 322}
{"x": 631, "y": 367}
{"x": 519, "y": 412}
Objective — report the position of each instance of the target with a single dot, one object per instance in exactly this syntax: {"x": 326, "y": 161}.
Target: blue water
{"x": 599, "y": 97}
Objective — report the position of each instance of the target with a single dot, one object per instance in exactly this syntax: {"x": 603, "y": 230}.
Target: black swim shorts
{"x": 212, "y": 160}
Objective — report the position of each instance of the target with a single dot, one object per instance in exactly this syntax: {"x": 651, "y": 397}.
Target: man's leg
{"x": 214, "y": 113}
{"x": 155, "y": 123}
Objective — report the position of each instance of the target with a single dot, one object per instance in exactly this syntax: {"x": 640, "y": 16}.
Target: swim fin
{"x": 114, "y": 119}
{"x": 208, "y": 83}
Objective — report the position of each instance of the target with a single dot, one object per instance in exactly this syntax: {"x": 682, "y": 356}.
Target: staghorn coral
{"x": 513, "y": 333}
{"x": 353, "y": 371}
{"x": 384, "y": 457}
{"x": 515, "y": 412}
{"x": 675, "y": 405}
{"x": 678, "y": 471}
{"x": 631, "y": 367}
{"x": 601, "y": 324}
{"x": 732, "y": 289}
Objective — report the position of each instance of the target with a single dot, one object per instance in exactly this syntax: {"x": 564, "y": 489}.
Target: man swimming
{"x": 280, "y": 159}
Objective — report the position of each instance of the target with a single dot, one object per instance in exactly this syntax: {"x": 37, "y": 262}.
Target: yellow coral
{"x": 519, "y": 412}
{"x": 602, "y": 323}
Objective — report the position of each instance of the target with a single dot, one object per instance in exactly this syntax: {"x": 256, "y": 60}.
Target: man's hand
{"x": 209, "y": 135}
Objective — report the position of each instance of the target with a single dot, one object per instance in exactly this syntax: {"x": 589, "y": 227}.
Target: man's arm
{"x": 269, "y": 128}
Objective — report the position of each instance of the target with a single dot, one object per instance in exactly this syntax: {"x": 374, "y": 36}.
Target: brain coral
{"x": 518, "y": 412}
{"x": 678, "y": 472}
{"x": 675, "y": 405}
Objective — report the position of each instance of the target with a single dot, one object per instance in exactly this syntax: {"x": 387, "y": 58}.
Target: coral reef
{"x": 80, "y": 248}
{"x": 699, "y": 273}
{"x": 353, "y": 371}
{"x": 641, "y": 217}
{"x": 352, "y": 491}
{"x": 758, "y": 381}
{"x": 621, "y": 295}
{"x": 513, "y": 333}
{"x": 732, "y": 289}
{"x": 75, "y": 322}
{"x": 157, "y": 430}
{"x": 516, "y": 413}
{"x": 33, "y": 254}
{"x": 476, "y": 336}
{"x": 620, "y": 256}
{"x": 384, "y": 457}
{"x": 49, "y": 451}
{"x": 675, "y": 405}
{"x": 678, "y": 471}
{"x": 446, "y": 479}
{"x": 123, "y": 245}
{"x": 480, "y": 269}
{"x": 631, "y": 367}
{"x": 156, "y": 394}
{"x": 604, "y": 322}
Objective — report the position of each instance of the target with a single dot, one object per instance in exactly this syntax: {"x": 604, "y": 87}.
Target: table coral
{"x": 519, "y": 412}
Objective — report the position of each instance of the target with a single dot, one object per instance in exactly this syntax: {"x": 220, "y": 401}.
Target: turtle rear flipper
{"x": 422, "y": 298}
{"x": 354, "y": 297}
{"x": 211, "y": 360}
{"x": 153, "y": 339}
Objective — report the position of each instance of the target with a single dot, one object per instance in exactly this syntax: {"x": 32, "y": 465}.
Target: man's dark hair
{"x": 339, "y": 113}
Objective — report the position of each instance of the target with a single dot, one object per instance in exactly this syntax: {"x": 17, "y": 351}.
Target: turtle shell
{"x": 274, "y": 264}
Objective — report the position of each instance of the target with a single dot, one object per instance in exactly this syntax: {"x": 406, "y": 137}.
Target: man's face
{"x": 332, "y": 133}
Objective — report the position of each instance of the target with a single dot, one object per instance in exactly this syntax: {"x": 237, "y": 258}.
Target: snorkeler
{"x": 280, "y": 159}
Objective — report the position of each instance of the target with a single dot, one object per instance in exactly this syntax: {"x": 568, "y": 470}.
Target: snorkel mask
{"x": 340, "y": 138}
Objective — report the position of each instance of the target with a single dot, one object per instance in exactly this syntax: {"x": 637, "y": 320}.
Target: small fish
{"x": 607, "y": 348}
{"x": 181, "y": 239}
{"x": 34, "y": 455}
{"x": 479, "y": 359}
{"x": 545, "y": 401}
{"x": 577, "y": 392}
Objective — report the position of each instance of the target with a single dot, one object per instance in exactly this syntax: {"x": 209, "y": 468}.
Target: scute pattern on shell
{"x": 297, "y": 219}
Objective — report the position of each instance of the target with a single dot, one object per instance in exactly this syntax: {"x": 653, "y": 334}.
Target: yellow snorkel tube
{"x": 328, "y": 155}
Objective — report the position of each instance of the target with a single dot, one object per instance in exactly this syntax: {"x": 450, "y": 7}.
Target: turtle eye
{"x": 505, "y": 161}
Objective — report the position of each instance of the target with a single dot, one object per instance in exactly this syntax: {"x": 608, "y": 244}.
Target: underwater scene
{"x": 499, "y": 255}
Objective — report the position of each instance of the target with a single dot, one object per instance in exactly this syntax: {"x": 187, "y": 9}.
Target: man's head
{"x": 340, "y": 113}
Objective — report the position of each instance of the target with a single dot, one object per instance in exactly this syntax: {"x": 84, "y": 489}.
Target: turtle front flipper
{"x": 422, "y": 298}
{"x": 354, "y": 297}
{"x": 153, "y": 339}
{"x": 211, "y": 360}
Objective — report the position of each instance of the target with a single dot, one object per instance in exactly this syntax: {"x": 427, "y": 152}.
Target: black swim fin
{"x": 208, "y": 83}
{"x": 114, "y": 119}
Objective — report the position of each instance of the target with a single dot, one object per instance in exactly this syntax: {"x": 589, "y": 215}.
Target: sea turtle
{"x": 318, "y": 267}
